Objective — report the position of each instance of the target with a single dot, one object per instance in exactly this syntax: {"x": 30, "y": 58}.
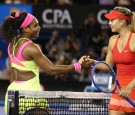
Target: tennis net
{"x": 57, "y": 103}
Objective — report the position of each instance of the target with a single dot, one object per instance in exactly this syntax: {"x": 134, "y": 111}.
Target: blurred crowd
{"x": 70, "y": 2}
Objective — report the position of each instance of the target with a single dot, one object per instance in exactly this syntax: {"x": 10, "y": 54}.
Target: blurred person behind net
{"x": 103, "y": 53}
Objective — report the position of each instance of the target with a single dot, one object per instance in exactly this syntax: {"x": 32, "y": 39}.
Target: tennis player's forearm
{"x": 60, "y": 69}
{"x": 100, "y": 66}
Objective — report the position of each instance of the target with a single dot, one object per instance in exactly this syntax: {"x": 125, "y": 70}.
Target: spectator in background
{"x": 56, "y": 41}
{"x": 124, "y": 2}
{"x": 72, "y": 46}
{"x": 53, "y": 40}
{"x": 101, "y": 41}
{"x": 103, "y": 53}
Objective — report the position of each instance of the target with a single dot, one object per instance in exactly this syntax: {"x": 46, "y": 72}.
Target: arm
{"x": 32, "y": 51}
{"x": 11, "y": 76}
{"x": 109, "y": 57}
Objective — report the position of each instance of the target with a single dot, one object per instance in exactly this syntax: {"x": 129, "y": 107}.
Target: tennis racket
{"x": 105, "y": 79}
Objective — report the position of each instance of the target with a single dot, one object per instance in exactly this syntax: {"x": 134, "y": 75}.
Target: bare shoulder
{"x": 113, "y": 40}
{"x": 31, "y": 51}
{"x": 32, "y": 47}
{"x": 114, "y": 37}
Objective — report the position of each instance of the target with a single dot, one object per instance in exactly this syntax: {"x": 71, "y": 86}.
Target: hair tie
{"x": 16, "y": 16}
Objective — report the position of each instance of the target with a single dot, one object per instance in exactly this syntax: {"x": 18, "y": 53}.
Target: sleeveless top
{"x": 125, "y": 60}
{"x": 18, "y": 62}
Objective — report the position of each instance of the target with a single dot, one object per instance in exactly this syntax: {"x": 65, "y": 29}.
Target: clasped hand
{"x": 86, "y": 62}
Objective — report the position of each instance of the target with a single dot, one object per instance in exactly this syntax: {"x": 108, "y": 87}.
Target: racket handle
{"x": 130, "y": 101}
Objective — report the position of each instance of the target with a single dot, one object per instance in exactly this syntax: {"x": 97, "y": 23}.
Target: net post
{"x": 16, "y": 102}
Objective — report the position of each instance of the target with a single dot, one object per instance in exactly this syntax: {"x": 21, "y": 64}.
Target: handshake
{"x": 86, "y": 62}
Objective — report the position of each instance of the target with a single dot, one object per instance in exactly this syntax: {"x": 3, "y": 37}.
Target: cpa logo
{"x": 56, "y": 16}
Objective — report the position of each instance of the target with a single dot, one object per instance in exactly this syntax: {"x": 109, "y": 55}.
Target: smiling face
{"x": 115, "y": 25}
{"x": 34, "y": 29}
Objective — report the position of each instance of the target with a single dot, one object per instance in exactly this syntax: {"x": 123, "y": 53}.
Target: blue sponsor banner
{"x": 6, "y": 9}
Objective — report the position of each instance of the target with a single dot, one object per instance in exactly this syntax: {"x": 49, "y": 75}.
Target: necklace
{"x": 121, "y": 44}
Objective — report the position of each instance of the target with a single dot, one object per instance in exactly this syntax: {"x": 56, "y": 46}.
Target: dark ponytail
{"x": 11, "y": 26}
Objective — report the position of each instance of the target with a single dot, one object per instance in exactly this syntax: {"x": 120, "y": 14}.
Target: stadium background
{"x": 69, "y": 30}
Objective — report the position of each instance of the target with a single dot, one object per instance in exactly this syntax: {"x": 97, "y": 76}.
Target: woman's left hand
{"x": 125, "y": 91}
